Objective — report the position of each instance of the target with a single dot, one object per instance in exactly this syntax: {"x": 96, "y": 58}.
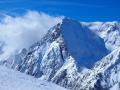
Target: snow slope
{"x": 14, "y": 80}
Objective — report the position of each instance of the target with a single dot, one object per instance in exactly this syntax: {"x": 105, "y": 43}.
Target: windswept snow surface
{"x": 14, "y": 80}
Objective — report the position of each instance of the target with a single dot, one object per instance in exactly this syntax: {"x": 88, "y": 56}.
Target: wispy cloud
{"x": 26, "y": 29}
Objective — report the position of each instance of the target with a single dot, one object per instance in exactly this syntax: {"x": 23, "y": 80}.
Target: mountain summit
{"x": 79, "y": 41}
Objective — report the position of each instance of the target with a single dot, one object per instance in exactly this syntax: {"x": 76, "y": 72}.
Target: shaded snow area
{"x": 85, "y": 46}
{"x": 14, "y": 80}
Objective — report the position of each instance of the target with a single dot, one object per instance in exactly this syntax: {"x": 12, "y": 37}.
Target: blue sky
{"x": 83, "y": 10}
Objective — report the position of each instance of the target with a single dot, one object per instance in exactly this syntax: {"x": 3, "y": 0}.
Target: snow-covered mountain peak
{"x": 73, "y": 55}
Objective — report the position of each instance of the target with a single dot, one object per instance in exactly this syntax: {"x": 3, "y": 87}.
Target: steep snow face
{"x": 85, "y": 46}
{"x": 67, "y": 74}
{"x": 13, "y": 80}
{"x": 46, "y": 57}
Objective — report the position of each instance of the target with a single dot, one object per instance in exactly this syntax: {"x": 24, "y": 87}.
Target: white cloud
{"x": 22, "y": 31}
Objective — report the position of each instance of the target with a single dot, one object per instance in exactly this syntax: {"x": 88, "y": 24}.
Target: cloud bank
{"x": 22, "y": 31}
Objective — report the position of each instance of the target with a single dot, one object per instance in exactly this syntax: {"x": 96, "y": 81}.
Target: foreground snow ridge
{"x": 14, "y": 80}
